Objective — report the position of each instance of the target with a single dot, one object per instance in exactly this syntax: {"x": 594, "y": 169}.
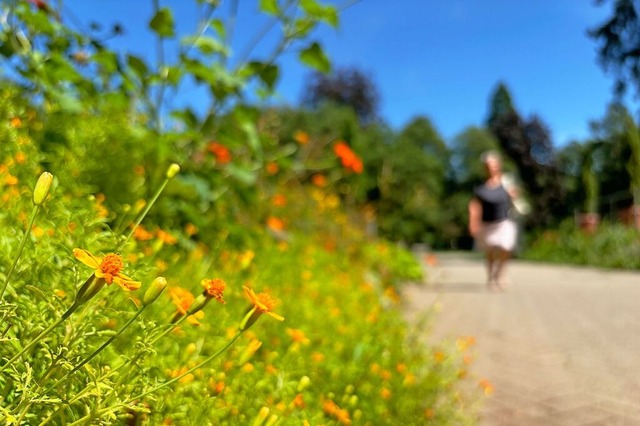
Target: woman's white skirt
{"x": 501, "y": 234}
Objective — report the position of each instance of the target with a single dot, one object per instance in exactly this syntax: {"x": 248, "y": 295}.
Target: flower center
{"x": 214, "y": 288}
{"x": 265, "y": 302}
{"x": 111, "y": 264}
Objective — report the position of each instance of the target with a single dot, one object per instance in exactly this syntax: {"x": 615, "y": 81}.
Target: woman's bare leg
{"x": 502, "y": 257}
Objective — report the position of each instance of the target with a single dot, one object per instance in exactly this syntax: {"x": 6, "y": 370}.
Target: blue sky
{"x": 437, "y": 58}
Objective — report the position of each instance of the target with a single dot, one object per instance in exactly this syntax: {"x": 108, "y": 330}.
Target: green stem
{"x": 108, "y": 342}
{"x": 157, "y": 388}
{"x": 24, "y": 242}
{"x": 191, "y": 370}
{"x": 64, "y": 316}
{"x": 144, "y": 213}
{"x": 97, "y": 351}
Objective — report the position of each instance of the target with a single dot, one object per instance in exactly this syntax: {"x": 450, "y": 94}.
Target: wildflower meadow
{"x": 161, "y": 267}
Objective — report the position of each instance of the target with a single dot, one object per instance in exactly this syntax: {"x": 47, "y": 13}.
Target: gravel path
{"x": 561, "y": 346}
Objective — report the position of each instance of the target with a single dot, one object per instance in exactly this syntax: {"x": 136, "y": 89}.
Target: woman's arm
{"x": 475, "y": 217}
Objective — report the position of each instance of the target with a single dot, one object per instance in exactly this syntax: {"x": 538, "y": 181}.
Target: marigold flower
{"x": 298, "y": 336}
{"x": 263, "y": 303}
{"x": 107, "y": 268}
{"x": 142, "y": 234}
{"x": 166, "y": 237}
{"x": 183, "y": 299}
{"x": 15, "y": 122}
{"x": 214, "y": 289}
{"x": 275, "y": 224}
{"x": 319, "y": 180}
{"x": 20, "y": 157}
{"x": 279, "y": 200}
{"x": 220, "y": 152}
{"x": 301, "y": 137}
{"x": 347, "y": 157}
{"x": 486, "y": 386}
{"x": 272, "y": 168}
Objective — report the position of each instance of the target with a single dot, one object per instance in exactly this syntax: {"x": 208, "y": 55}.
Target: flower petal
{"x": 274, "y": 315}
{"x": 126, "y": 283}
{"x": 87, "y": 258}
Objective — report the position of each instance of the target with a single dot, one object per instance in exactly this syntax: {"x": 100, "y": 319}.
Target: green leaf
{"x": 268, "y": 73}
{"x": 302, "y": 27}
{"x": 219, "y": 27}
{"x": 138, "y": 66}
{"x": 162, "y": 23}
{"x": 206, "y": 45}
{"x": 315, "y": 10}
{"x": 242, "y": 174}
{"x": 314, "y": 57}
{"x": 270, "y": 7}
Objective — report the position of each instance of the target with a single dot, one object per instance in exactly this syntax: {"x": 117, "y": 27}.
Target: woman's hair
{"x": 487, "y": 155}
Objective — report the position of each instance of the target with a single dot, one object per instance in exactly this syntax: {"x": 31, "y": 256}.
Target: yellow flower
{"x": 262, "y": 302}
{"x": 107, "y": 268}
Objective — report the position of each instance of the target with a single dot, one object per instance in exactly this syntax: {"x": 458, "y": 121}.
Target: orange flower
{"x": 166, "y": 237}
{"x": 221, "y": 152}
{"x": 15, "y": 122}
{"x": 298, "y": 336}
{"x": 319, "y": 180}
{"x": 301, "y": 137}
{"x": 263, "y": 303}
{"x": 141, "y": 234}
{"x": 486, "y": 386}
{"x": 348, "y": 158}
{"x": 275, "y": 224}
{"x": 183, "y": 299}
{"x": 272, "y": 168}
{"x": 20, "y": 157}
{"x": 298, "y": 401}
{"x": 279, "y": 200}
{"x": 107, "y": 268}
{"x": 214, "y": 288}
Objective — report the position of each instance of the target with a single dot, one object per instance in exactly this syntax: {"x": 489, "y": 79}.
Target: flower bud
{"x": 198, "y": 304}
{"x": 261, "y": 417}
{"x": 155, "y": 289}
{"x": 42, "y": 188}
{"x": 173, "y": 170}
{"x": 304, "y": 383}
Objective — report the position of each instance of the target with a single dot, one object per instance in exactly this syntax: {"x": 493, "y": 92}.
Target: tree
{"x": 619, "y": 39}
{"x": 345, "y": 86}
{"x": 528, "y": 144}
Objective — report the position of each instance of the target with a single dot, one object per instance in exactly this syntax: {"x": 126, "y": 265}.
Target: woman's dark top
{"x": 495, "y": 201}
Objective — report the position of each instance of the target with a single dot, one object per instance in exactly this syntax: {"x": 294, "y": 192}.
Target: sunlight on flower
{"x": 108, "y": 268}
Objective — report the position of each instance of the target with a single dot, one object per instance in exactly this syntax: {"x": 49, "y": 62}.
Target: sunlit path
{"x": 561, "y": 346}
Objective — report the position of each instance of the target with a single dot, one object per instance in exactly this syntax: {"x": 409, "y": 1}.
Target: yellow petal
{"x": 192, "y": 320}
{"x": 87, "y": 258}
{"x": 126, "y": 283}
{"x": 275, "y": 316}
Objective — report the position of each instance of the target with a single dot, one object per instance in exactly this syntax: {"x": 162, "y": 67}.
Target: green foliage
{"x": 256, "y": 204}
{"x": 611, "y": 246}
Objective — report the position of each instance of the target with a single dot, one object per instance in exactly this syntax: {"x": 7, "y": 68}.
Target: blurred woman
{"x": 489, "y": 222}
